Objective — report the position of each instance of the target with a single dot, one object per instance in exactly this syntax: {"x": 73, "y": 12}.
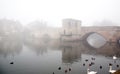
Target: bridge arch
{"x": 85, "y": 36}
{"x": 94, "y": 39}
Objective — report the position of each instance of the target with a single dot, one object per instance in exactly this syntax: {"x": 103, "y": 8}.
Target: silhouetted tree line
{"x": 14, "y": 31}
{"x": 10, "y": 30}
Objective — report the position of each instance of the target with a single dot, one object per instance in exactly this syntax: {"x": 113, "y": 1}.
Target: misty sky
{"x": 53, "y": 11}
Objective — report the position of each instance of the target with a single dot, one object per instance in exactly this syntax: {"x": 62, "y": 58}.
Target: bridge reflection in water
{"x": 39, "y": 57}
{"x": 96, "y": 40}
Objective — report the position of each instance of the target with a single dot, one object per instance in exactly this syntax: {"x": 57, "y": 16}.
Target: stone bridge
{"x": 72, "y": 30}
{"x": 110, "y": 33}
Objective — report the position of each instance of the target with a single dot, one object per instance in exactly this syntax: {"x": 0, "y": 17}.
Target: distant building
{"x": 70, "y": 29}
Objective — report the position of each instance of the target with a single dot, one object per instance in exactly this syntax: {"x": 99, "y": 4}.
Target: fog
{"x": 53, "y": 11}
{"x": 59, "y": 36}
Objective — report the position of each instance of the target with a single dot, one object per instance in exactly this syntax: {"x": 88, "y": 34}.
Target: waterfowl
{"x": 111, "y": 71}
{"x": 11, "y": 62}
{"x": 117, "y": 65}
{"x": 86, "y": 60}
{"x": 92, "y": 63}
{"x": 110, "y": 64}
{"x": 66, "y": 71}
{"x": 59, "y": 68}
{"x": 69, "y": 69}
{"x": 93, "y": 58}
{"x": 91, "y": 72}
{"x": 100, "y": 67}
{"x": 114, "y": 57}
{"x": 83, "y": 64}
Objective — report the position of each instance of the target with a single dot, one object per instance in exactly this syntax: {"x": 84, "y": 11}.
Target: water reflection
{"x": 96, "y": 40}
{"x": 75, "y": 49}
{"x": 39, "y": 47}
{"x": 39, "y": 57}
{"x": 10, "y": 47}
{"x": 71, "y": 53}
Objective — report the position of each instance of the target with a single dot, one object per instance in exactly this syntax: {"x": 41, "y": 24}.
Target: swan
{"x": 111, "y": 71}
{"x": 91, "y": 72}
{"x": 114, "y": 57}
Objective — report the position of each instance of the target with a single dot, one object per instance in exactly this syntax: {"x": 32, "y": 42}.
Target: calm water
{"x": 39, "y": 57}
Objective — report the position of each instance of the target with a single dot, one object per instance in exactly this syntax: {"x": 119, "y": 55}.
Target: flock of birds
{"x": 66, "y": 70}
{"x": 111, "y": 71}
{"x": 88, "y": 70}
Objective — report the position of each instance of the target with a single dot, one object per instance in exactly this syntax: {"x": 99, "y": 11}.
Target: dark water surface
{"x": 39, "y": 57}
